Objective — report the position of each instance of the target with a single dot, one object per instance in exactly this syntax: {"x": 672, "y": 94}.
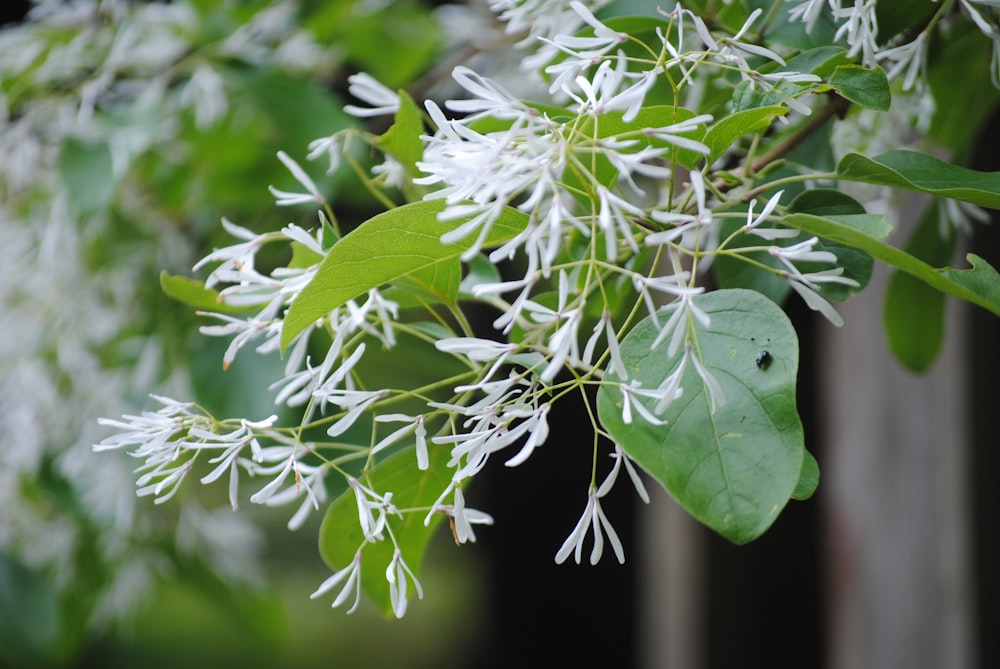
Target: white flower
{"x": 299, "y": 385}
{"x": 616, "y": 364}
{"x": 153, "y": 436}
{"x": 463, "y": 518}
{"x": 391, "y": 171}
{"x": 681, "y": 309}
{"x": 478, "y": 350}
{"x": 368, "y": 500}
{"x": 396, "y": 573}
{"x": 286, "y": 198}
{"x": 683, "y": 222}
{"x": 753, "y": 224}
{"x": 352, "y": 574}
{"x": 235, "y": 259}
{"x": 386, "y": 311}
{"x": 563, "y": 344}
{"x": 416, "y": 425}
{"x": 728, "y": 49}
{"x": 715, "y": 396}
{"x": 309, "y": 486}
{"x": 604, "y": 38}
{"x": 631, "y": 398}
{"x": 493, "y": 99}
{"x": 861, "y": 29}
{"x": 151, "y": 430}
{"x": 808, "y": 11}
{"x": 611, "y": 218}
{"x": 232, "y": 446}
{"x": 621, "y": 458}
{"x": 594, "y": 517}
{"x": 246, "y": 330}
{"x": 672, "y": 133}
{"x": 355, "y": 401}
{"x": 328, "y": 146}
{"x": 368, "y": 89}
{"x": 910, "y": 58}
{"x": 537, "y": 427}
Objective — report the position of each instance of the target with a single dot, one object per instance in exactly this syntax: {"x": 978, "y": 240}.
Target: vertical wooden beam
{"x": 897, "y": 497}
{"x": 671, "y": 592}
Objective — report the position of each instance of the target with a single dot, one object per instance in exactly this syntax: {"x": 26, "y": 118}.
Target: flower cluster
{"x": 626, "y": 188}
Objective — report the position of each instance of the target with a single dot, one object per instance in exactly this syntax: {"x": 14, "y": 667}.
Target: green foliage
{"x": 414, "y": 491}
{"x": 727, "y": 130}
{"x": 733, "y": 469}
{"x": 194, "y": 294}
{"x": 925, "y": 174}
{"x": 913, "y": 312}
{"x": 401, "y": 243}
{"x": 402, "y": 140}
{"x": 591, "y": 192}
{"x": 863, "y": 86}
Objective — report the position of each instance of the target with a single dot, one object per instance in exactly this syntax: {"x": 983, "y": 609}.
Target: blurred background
{"x": 129, "y": 129}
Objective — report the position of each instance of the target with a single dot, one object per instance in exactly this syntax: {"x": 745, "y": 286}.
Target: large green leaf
{"x": 401, "y": 242}
{"x": 927, "y": 174}
{"x": 413, "y": 491}
{"x": 735, "y": 469}
{"x": 979, "y": 284}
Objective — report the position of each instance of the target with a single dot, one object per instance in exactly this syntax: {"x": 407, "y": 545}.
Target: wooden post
{"x": 898, "y": 504}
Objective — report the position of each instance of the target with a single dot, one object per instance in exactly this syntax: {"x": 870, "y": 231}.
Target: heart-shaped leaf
{"x": 734, "y": 469}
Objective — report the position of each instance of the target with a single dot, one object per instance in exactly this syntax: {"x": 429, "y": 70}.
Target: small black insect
{"x": 764, "y": 360}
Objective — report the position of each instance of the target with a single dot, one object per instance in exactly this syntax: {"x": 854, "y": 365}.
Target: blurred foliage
{"x": 127, "y": 130}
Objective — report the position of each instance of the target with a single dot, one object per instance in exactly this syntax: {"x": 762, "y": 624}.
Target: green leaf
{"x": 920, "y": 172}
{"x": 437, "y": 284}
{"x": 340, "y": 535}
{"x": 735, "y": 272}
{"x": 980, "y": 284}
{"x": 384, "y": 249}
{"x": 303, "y": 257}
{"x": 913, "y": 312}
{"x": 402, "y": 140}
{"x": 722, "y": 135}
{"x": 87, "y": 174}
{"x": 866, "y": 87}
{"x": 194, "y": 294}
{"x": 733, "y": 470}
{"x": 980, "y": 279}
